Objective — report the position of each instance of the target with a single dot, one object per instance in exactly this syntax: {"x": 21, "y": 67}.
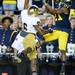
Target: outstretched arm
{"x": 55, "y": 11}
{"x": 39, "y": 29}
{"x": 26, "y": 4}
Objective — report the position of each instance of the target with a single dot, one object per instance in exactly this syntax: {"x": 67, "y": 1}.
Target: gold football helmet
{"x": 33, "y": 10}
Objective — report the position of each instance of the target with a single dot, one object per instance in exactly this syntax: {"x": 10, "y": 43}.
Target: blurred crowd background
{"x": 13, "y": 8}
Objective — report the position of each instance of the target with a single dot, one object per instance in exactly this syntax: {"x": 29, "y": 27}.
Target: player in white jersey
{"x": 25, "y": 41}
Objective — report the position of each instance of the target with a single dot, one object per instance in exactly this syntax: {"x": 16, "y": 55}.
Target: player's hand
{"x": 28, "y": 50}
{"x": 45, "y": 4}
